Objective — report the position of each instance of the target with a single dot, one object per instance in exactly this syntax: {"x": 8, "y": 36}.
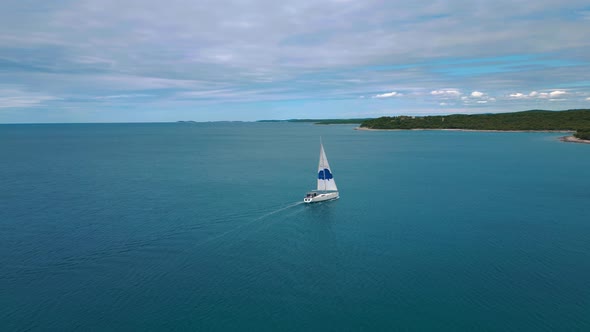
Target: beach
{"x": 573, "y": 139}
{"x": 568, "y": 139}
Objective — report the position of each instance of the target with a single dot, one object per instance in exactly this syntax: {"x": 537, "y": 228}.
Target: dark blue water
{"x": 200, "y": 227}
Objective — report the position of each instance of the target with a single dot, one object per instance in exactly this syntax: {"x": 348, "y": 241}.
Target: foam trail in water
{"x": 217, "y": 237}
{"x": 266, "y": 225}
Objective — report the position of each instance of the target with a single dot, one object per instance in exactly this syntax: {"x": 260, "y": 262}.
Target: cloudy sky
{"x": 147, "y": 60}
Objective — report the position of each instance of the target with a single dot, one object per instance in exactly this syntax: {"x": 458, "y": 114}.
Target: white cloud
{"x": 446, "y": 93}
{"x": 557, "y": 93}
{"x": 588, "y": 98}
{"x": 388, "y": 95}
{"x": 517, "y": 95}
{"x": 477, "y": 97}
{"x": 549, "y": 95}
{"x": 443, "y": 104}
{"x": 16, "y": 98}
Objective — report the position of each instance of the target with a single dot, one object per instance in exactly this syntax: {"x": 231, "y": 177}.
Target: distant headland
{"x": 577, "y": 121}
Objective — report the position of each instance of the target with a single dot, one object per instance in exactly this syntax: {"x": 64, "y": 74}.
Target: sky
{"x": 201, "y": 60}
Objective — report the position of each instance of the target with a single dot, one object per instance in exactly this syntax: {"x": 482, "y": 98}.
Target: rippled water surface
{"x": 201, "y": 227}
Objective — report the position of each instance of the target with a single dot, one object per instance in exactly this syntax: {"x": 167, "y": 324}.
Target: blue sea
{"x": 201, "y": 227}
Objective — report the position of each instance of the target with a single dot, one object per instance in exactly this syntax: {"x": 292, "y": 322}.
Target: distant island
{"x": 322, "y": 121}
{"x": 577, "y": 121}
{"x": 221, "y": 121}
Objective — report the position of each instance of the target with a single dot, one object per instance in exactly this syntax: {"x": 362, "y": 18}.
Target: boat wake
{"x": 242, "y": 226}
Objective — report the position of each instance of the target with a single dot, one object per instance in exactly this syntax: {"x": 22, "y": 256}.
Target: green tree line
{"x": 583, "y": 134}
{"x": 575, "y": 120}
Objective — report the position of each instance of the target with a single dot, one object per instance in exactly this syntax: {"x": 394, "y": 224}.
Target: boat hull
{"x": 320, "y": 197}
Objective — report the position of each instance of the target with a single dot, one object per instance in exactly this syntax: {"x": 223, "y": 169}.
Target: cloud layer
{"x": 219, "y": 60}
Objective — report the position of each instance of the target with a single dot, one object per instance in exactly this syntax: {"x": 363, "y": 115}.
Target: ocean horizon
{"x": 202, "y": 226}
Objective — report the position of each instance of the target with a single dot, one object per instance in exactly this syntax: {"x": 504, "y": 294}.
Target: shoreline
{"x": 476, "y": 130}
{"x": 567, "y": 139}
{"x": 572, "y": 139}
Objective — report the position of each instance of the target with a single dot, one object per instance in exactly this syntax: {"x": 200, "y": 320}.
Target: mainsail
{"x": 325, "y": 178}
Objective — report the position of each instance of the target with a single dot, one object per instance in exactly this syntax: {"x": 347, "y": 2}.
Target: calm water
{"x": 200, "y": 227}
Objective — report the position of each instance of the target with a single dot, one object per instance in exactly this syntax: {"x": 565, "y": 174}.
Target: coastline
{"x": 572, "y": 139}
{"x": 476, "y": 130}
{"x": 567, "y": 139}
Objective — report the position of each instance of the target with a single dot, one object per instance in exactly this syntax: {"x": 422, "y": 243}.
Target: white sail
{"x": 325, "y": 177}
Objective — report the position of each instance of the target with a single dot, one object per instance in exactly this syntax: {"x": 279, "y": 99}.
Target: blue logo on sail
{"x": 325, "y": 174}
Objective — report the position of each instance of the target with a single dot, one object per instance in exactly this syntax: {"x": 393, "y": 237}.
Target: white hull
{"x": 319, "y": 197}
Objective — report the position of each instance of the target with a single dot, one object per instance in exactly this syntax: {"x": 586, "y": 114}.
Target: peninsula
{"x": 577, "y": 121}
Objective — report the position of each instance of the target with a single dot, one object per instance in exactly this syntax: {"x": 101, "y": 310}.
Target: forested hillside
{"x": 578, "y": 120}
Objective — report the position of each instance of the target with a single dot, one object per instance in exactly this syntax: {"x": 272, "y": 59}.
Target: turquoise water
{"x": 200, "y": 227}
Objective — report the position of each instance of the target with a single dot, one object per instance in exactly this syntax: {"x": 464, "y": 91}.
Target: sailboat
{"x": 326, "y": 189}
